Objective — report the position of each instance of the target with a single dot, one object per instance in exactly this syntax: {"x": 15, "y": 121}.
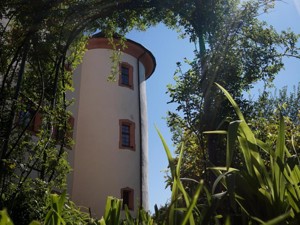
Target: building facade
{"x": 110, "y": 155}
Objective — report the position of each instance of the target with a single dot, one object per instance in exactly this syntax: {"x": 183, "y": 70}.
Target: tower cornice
{"x": 131, "y": 47}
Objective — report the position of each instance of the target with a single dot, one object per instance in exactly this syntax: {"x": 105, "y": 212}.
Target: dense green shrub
{"x": 264, "y": 189}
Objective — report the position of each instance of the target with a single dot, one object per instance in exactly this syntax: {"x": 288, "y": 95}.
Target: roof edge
{"x": 132, "y": 48}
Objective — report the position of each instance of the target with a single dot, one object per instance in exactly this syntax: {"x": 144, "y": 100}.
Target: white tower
{"x": 110, "y": 156}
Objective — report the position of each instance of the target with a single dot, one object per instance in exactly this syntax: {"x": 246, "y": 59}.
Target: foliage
{"x": 236, "y": 49}
{"x": 142, "y": 217}
{"x": 261, "y": 192}
{"x": 54, "y": 215}
{"x": 4, "y": 218}
{"x": 29, "y": 203}
{"x": 179, "y": 193}
{"x": 34, "y": 53}
{"x": 112, "y": 212}
{"x": 60, "y": 211}
{"x": 202, "y": 207}
{"x": 286, "y": 100}
{"x": 263, "y": 116}
{"x": 265, "y": 111}
{"x": 42, "y": 42}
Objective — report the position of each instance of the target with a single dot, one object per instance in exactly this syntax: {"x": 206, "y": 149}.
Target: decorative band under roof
{"x": 132, "y": 48}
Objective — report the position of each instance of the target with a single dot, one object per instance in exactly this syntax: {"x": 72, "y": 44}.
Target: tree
{"x": 266, "y": 111}
{"x": 41, "y": 44}
{"x": 236, "y": 49}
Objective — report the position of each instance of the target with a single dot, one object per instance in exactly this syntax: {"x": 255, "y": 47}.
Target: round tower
{"x": 110, "y": 155}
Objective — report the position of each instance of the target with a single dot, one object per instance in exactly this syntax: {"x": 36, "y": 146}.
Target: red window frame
{"x": 35, "y": 124}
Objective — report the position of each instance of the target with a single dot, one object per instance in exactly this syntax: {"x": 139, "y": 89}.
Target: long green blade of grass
{"x": 279, "y": 162}
{"x": 181, "y": 187}
{"x": 177, "y": 184}
{"x": 231, "y": 139}
{"x": 277, "y": 220}
{"x": 233, "y": 103}
{"x": 4, "y": 218}
{"x": 189, "y": 212}
{"x": 174, "y": 195}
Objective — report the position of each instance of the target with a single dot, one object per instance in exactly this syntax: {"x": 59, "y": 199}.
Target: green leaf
{"x": 177, "y": 184}
{"x": 174, "y": 195}
{"x": 188, "y": 214}
{"x": 34, "y": 222}
{"x": 231, "y": 139}
{"x": 168, "y": 152}
{"x": 112, "y": 211}
{"x": 233, "y": 103}
{"x": 4, "y": 218}
{"x": 278, "y": 219}
{"x": 215, "y": 132}
{"x": 280, "y": 144}
{"x": 102, "y": 221}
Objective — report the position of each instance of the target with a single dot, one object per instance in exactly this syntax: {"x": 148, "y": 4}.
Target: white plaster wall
{"x": 101, "y": 169}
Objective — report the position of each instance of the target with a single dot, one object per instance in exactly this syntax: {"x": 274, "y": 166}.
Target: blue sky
{"x": 169, "y": 49}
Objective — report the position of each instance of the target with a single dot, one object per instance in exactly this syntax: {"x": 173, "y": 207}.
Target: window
{"x": 37, "y": 122}
{"x": 126, "y": 75}
{"x": 59, "y": 133}
{"x": 25, "y": 117}
{"x": 33, "y": 121}
{"x": 127, "y": 195}
{"x": 127, "y": 134}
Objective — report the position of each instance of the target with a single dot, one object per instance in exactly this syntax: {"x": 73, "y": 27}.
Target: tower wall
{"x": 101, "y": 167}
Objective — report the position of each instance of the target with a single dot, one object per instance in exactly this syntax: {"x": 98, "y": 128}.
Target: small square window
{"x": 126, "y": 75}
{"x": 24, "y": 118}
{"x": 31, "y": 119}
{"x": 59, "y": 133}
{"x": 127, "y": 134}
{"x": 127, "y": 194}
